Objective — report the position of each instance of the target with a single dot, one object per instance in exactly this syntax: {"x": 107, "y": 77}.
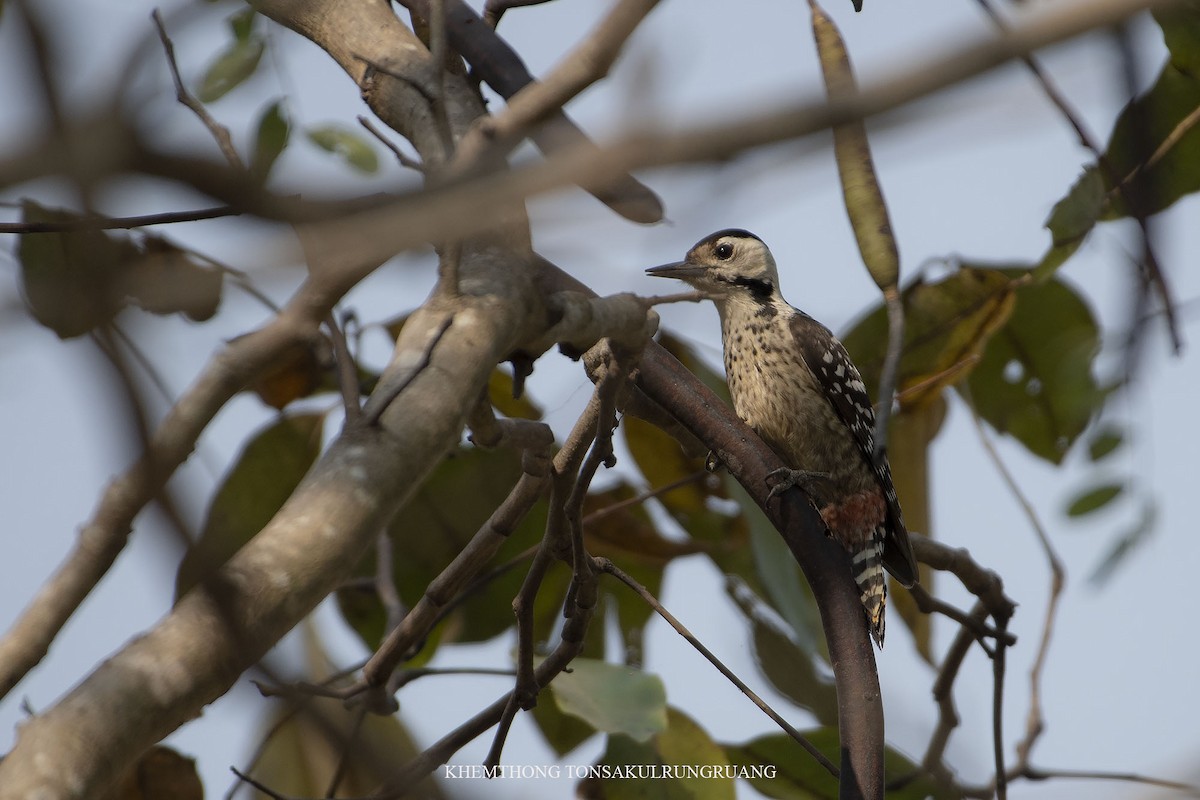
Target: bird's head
{"x": 727, "y": 264}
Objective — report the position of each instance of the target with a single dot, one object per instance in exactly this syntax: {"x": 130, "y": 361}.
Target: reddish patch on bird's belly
{"x": 853, "y": 520}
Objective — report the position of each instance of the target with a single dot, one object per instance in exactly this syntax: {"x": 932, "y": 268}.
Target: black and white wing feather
{"x": 829, "y": 362}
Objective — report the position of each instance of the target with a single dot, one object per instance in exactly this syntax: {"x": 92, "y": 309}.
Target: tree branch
{"x": 504, "y": 71}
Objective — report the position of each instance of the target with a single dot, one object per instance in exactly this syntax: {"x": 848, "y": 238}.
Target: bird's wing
{"x": 828, "y": 360}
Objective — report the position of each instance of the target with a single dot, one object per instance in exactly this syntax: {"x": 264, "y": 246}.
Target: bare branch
{"x": 504, "y": 71}
{"x": 347, "y": 370}
{"x": 943, "y": 688}
{"x": 315, "y": 539}
{"x": 441, "y": 591}
{"x": 102, "y": 223}
{"x": 401, "y": 158}
{"x": 219, "y": 132}
{"x": 589, "y": 62}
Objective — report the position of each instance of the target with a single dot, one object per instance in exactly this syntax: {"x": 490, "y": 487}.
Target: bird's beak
{"x": 680, "y": 269}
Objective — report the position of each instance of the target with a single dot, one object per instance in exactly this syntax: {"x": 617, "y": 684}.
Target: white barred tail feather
{"x": 872, "y": 582}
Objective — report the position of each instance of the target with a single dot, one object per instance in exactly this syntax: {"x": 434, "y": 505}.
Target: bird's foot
{"x": 782, "y": 479}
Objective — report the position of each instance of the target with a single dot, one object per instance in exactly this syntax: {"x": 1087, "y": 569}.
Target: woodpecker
{"x": 792, "y": 381}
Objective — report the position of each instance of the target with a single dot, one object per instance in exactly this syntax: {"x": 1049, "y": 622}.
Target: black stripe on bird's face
{"x": 760, "y": 288}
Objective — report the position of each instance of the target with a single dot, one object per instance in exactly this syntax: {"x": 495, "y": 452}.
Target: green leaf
{"x": 1094, "y": 499}
{"x": 1153, "y": 152}
{"x": 947, "y": 324}
{"x": 230, "y": 68}
{"x": 500, "y": 392}
{"x": 262, "y": 478}
{"x": 271, "y": 138}
{"x": 781, "y": 768}
{"x": 241, "y": 24}
{"x": 1105, "y": 443}
{"x": 562, "y": 731}
{"x": 683, "y": 744}
{"x": 787, "y": 665}
{"x": 77, "y": 280}
{"x": 1127, "y": 543}
{"x": 158, "y": 772}
{"x": 910, "y": 438}
{"x": 613, "y": 698}
{"x": 662, "y": 462}
{"x": 432, "y": 529}
{"x": 1181, "y": 33}
{"x": 1072, "y": 219}
{"x": 786, "y": 588}
{"x": 68, "y": 277}
{"x": 302, "y": 752}
{"x": 1155, "y": 145}
{"x": 1034, "y": 381}
{"x": 347, "y": 144}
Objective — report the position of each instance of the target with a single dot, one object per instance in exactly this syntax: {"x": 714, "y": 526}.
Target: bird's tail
{"x": 872, "y": 583}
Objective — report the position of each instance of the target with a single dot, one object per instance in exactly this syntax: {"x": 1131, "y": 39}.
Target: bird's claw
{"x": 782, "y": 479}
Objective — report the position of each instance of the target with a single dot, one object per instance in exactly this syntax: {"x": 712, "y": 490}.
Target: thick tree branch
{"x": 199, "y": 649}
{"x": 194, "y": 654}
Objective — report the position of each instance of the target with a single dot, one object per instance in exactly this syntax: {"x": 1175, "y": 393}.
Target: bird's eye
{"x": 723, "y": 251}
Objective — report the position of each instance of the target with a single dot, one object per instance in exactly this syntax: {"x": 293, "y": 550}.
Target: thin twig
{"x": 998, "y": 666}
{"x": 442, "y": 590}
{"x": 1034, "y": 774}
{"x": 143, "y": 361}
{"x": 219, "y": 132}
{"x": 1035, "y": 722}
{"x": 605, "y": 565}
{"x": 97, "y": 222}
{"x": 343, "y": 763}
{"x": 403, "y": 159}
{"x": 680, "y": 297}
{"x": 1139, "y": 198}
{"x": 537, "y": 101}
{"x": 264, "y": 740}
{"x": 525, "y": 687}
{"x": 407, "y": 676}
{"x": 566, "y": 462}
{"x": 385, "y": 583}
{"x": 557, "y": 535}
{"x": 274, "y": 795}
{"x": 658, "y": 491}
{"x": 943, "y": 696}
{"x": 347, "y": 370}
{"x": 929, "y": 604}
